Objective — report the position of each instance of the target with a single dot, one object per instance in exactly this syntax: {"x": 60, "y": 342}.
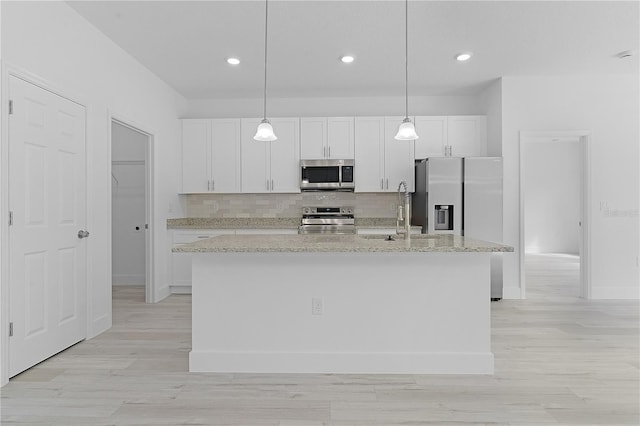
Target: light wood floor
{"x": 559, "y": 360}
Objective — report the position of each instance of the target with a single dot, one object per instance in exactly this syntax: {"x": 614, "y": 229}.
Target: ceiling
{"x": 186, "y": 43}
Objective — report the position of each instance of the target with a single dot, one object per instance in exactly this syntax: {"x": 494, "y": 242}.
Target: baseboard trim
{"x": 618, "y": 292}
{"x": 180, "y": 289}
{"x": 161, "y": 294}
{"x": 342, "y": 362}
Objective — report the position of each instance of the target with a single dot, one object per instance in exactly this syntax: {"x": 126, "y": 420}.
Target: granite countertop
{"x": 338, "y": 244}
{"x": 232, "y": 223}
{"x": 266, "y": 223}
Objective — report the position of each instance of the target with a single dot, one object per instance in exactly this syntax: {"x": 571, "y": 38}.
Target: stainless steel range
{"x": 327, "y": 220}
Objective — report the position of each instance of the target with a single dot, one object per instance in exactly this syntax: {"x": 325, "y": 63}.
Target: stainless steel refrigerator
{"x": 482, "y": 209}
{"x": 462, "y": 196}
{"x": 437, "y": 200}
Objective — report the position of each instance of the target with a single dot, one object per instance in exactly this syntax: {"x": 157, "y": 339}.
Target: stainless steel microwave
{"x": 327, "y": 175}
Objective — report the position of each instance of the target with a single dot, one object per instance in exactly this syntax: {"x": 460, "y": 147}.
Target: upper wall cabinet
{"x": 326, "y": 137}
{"x": 271, "y": 166}
{"x": 463, "y": 135}
{"x": 399, "y": 158}
{"x": 381, "y": 162}
{"x": 211, "y": 155}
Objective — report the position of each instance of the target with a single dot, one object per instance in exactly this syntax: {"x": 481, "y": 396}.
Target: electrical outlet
{"x": 316, "y": 306}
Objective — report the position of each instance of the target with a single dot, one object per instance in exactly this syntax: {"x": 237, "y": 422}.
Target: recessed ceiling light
{"x": 233, "y": 61}
{"x": 347, "y": 59}
{"x": 464, "y": 56}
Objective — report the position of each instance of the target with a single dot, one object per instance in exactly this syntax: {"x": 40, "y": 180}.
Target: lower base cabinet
{"x": 181, "y": 262}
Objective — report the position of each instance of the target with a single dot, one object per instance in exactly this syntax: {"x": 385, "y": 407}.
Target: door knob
{"x": 83, "y": 234}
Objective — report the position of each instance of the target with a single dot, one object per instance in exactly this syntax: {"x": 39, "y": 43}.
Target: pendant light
{"x": 265, "y": 131}
{"x": 406, "y": 131}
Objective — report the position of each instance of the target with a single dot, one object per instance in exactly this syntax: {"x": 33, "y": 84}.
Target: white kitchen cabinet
{"x": 181, "y": 262}
{"x": 432, "y": 132}
{"x": 211, "y": 155}
{"x": 196, "y": 141}
{"x": 381, "y": 162}
{"x": 369, "y": 154}
{"x": 271, "y": 166}
{"x": 464, "y": 135}
{"x": 326, "y": 138}
{"x": 399, "y": 158}
{"x": 467, "y": 135}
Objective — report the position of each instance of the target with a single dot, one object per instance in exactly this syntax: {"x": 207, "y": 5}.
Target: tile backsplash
{"x": 378, "y": 205}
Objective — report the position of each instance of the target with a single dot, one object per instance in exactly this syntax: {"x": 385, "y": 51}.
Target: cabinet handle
{"x": 329, "y": 152}
{"x": 387, "y": 183}
{"x": 213, "y": 185}
{"x": 271, "y": 184}
{"x": 208, "y": 185}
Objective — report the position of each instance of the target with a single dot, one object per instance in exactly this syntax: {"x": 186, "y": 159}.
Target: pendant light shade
{"x": 406, "y": 131}
{"x": 265, "y": 132}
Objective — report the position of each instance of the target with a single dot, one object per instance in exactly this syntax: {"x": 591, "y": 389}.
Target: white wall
{"x": 128, "y": 205}
{"x": 336, "y": 107}
{"x": 552, "y": 188}
{"x": 490, "y": 102}
{"x": 50, "y": 41}
{"x": 608, "y": 107}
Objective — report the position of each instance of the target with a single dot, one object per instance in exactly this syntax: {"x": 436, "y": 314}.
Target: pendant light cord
{"x": 266, "y": 21}
{"x": 406, "y": 58}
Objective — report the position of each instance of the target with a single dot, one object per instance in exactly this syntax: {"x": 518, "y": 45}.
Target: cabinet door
{"x": 225, "y": 156}
{"x": 399, "y": 161}
{"x": 196, "y": 155}
{"x": 369, "y": 154}
{"x": 432, "y": 132}
{"x": 254, "y": 154}
{"x": 467, "y": 135}
{"x": 285, "y": 155}
{"x": 340, "y": 141}
{"x": 313, "y": 138}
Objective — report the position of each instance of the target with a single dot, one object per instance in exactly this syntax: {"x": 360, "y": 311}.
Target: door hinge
{"x": 10, "y": 107}
{"x": 10, "y": 218}
{"x": 10, "y": 329}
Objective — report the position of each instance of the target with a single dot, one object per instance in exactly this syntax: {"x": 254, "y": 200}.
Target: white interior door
{"x": 47, "y": 259}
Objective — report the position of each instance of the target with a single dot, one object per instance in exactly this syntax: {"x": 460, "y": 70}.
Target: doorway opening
{"x": 554, "y": 172}
{"x": 131, "y": 208}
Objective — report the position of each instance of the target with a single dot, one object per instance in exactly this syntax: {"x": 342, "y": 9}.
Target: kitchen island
{"x": 341, "y": 304}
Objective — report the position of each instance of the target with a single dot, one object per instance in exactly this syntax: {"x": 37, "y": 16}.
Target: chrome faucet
{"x": 403, "y": 222}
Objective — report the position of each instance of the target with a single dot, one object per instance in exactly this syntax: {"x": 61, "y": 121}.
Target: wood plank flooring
{"x": 559, "y": 360}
